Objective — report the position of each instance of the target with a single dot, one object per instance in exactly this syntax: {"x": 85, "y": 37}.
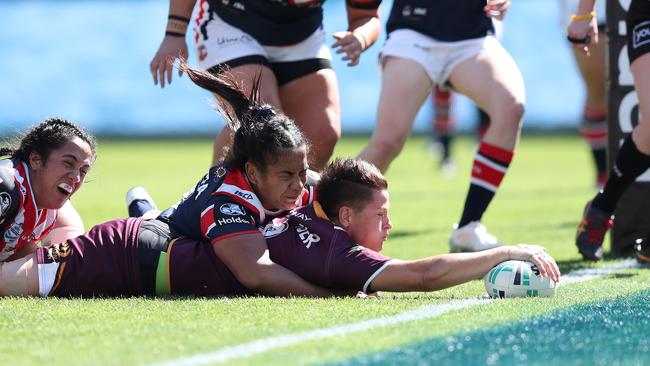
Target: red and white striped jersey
{"x": 21, "y": 221}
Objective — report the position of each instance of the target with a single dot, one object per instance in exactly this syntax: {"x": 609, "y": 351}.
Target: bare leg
{"x": 493, "y": 81}
{"x": 19, "y": 277}
{"x": 594, "y": 125}
{"x": 405, "y": 86}
{"x": 641, "y": 133}
{"x": 312, "y": 101}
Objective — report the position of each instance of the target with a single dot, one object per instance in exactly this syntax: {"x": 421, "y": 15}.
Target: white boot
{"x": 472, "y": 237}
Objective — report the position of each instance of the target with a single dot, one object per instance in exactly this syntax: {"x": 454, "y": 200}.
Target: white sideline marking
{"x": 428, "y": 311}
{"x": 266, "y": 344}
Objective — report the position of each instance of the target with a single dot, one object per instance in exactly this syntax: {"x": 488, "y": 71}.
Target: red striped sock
{"x": 490, "y": 166}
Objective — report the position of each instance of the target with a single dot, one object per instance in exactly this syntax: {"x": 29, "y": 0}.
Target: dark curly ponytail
{"x": 261, "y": 133}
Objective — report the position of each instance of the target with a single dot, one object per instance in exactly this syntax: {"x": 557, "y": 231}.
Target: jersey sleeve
{"x": 356, "y": 267}
{"x": 363, "y": 4}
{"x": 9, "y": 195}
{"x": 225, "y": 217}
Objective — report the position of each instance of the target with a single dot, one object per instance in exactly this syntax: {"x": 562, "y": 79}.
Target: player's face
{"x": 281, "y": 184}
{"x": 370, "y": 226}
{"x": 56, "y": 179}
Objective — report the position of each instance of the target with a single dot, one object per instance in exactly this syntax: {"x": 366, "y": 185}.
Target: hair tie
{"x": 264, "y": 112}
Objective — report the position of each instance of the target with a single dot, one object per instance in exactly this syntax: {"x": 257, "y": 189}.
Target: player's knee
{"x": 510, "y": 114}
{"x": 389, "y": 143}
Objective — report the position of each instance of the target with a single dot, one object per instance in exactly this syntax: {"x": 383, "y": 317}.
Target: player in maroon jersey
{"x": 284, "y": 42}
{"x": 334, "y": 244}
{"x": 37, "y": 179}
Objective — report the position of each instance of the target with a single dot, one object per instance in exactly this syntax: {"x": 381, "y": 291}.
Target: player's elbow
{"x": 257, "y": 278}
{"x": 435, "y": 279}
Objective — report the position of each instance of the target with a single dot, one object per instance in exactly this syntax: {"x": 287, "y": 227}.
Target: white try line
{"x": 428, "y": 311}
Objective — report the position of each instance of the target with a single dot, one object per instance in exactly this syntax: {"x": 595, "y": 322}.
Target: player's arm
{"x": 68, "y": 225}
{"x": 247, "y": 257}
{"x": 173, "y": 45}
{"x": 583, "y": 29}
{"x": 363, "y": 30}
{"x": 446, "y": 270}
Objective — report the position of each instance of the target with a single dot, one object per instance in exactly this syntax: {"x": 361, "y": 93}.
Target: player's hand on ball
{"x": 538, "y": 255}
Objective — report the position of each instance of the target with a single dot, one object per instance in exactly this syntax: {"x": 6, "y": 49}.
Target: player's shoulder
{"x": 9, "y": 195}
{"x": 7, "y": 172}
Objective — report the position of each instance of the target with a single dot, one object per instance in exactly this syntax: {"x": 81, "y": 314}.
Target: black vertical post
{"x": 633, "y": 211}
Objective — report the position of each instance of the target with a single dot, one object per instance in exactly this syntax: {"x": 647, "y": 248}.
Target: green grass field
{"x": 600, "y": 321}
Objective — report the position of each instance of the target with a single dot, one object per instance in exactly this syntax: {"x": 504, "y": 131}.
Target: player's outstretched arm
{"x": 247, "y": 257}
{"x": 446, "y": 270}
{"x": 173, "y": 45}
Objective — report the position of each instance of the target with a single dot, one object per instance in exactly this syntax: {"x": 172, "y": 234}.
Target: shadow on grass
{"x": 574, "y": 264}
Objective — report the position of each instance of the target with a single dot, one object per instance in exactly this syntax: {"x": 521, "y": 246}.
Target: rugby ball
{"x": 515, "y": 278}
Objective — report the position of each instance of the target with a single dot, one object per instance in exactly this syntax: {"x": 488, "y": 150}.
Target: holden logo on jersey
{"x": 5, "y": 203}
{"x": 231, "y": 209}
{"x": 308, "y": 238}
{"x": 275, "y": 227}
{"x": 232, "y": 220}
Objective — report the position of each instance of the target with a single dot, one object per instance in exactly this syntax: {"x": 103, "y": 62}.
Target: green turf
{"x": 540, "y": 202}
{"x": 610, "y": 332}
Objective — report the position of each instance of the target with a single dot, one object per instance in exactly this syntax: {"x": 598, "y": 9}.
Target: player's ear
{"x": 252, "y": 172}
{"x": 345, "y": 216}
{"x": 35, "y": 160}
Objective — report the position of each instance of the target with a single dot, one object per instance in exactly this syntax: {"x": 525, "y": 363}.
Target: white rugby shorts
{"x": 437, "y": 58}
{"x": 225, "y": 43}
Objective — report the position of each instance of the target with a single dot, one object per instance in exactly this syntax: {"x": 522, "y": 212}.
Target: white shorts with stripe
{"x": 225, "y": 43}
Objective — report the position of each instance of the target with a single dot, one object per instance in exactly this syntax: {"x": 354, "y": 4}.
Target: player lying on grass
{"x": 38, "y": 176}
{"x": 334, "y": 244}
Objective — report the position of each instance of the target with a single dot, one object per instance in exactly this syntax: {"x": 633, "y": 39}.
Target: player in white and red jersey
{"x": 451, "y": 44}
{"x": 37, "y": 181}
{"x": 284, "y": 42}
{"x": 264, "y": 176}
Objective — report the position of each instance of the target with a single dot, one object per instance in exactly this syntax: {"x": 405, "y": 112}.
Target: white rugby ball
{"x": 516, "y": 278}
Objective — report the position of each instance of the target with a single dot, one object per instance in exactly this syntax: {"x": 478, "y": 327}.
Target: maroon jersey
{"x": 311, "y": 246}
{"x": 194, "y": 269}
{"x": 21, "y": 221}
{"x": 304, "y": 242}
{"x": 102, "y": 262}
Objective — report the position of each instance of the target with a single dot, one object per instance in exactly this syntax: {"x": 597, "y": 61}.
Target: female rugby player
{"x": 451, "y": 43}
{"x": 37, "y": 179}
{"x": 634, "y": 155}
{"x": 333, "y": 243}
{"x": 283, "y": 42}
